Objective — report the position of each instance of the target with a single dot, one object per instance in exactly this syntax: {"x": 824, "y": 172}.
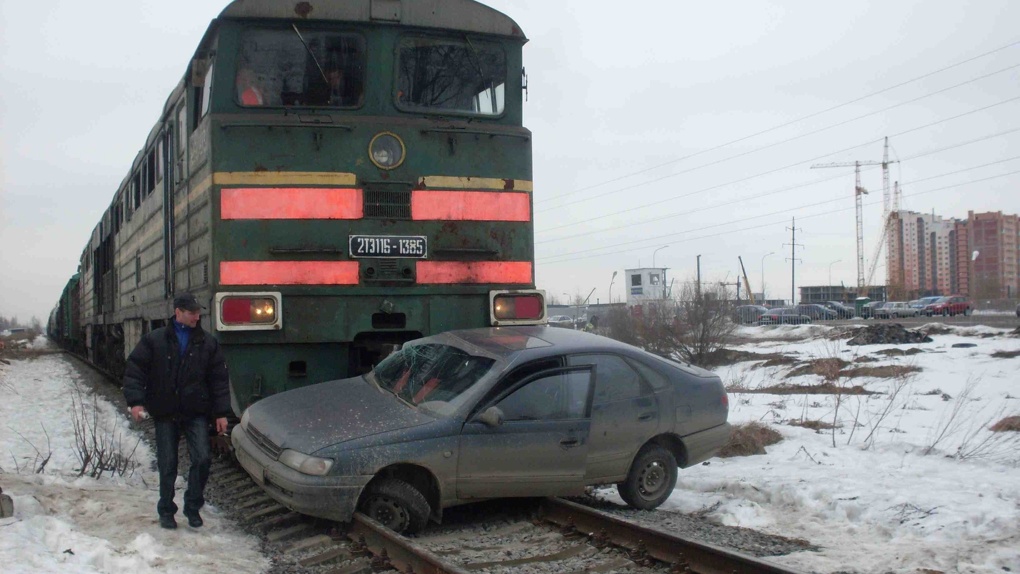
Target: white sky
{"x": 873, "y": 503}
{"x": 613, "y": 92}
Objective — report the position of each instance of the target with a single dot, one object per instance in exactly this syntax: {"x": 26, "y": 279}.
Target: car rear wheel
{"x": 651, "y": 479}
{"x": 396, "y": 505}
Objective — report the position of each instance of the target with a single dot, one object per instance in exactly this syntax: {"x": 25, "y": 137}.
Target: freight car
{"x": 332, "y": 178}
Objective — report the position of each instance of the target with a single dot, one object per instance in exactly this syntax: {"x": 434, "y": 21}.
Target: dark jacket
{"x": 157, "y": 377}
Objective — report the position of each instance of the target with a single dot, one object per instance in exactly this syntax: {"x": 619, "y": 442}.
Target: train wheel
{"x": 396, "y": 505}
{"x": 651, "y": 479}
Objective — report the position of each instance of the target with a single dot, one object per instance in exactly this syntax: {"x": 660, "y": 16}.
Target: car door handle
{"x": 569, "y": 442}
{"x": 646, "y": 417}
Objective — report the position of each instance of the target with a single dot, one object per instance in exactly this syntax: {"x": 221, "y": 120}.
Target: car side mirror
{"x": 491, "y": 417}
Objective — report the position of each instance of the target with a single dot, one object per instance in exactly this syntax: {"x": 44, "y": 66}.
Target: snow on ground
{"x": 891, "y": 495}
{"x": 67, "y": 524}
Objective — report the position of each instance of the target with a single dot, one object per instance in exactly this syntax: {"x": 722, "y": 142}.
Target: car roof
{"x": 527, "y": 343}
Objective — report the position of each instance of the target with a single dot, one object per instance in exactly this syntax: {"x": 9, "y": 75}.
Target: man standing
{"x": 178, "y": 375}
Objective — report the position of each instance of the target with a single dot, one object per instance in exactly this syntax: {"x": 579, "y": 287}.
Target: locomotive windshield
{"x": 299, "y": 67}
{"x": 444, "y": 75}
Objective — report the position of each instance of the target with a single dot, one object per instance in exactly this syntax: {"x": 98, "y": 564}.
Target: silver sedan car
{"x": 484, "y": 413}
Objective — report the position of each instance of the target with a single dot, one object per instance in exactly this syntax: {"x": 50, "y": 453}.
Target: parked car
{"x": 869, "y": 309}
{"x": 842, "y": 311}
{"x": 748, "y": 314}
{"x": 895, "y": 310}
{"x": 484, "y": 413}
{"x": 950, "y": 306}
{"x": 561, "y": 321}
{"x": 816, "y": 312}
{"x": 922, "y": 303}
{"x": 783, "y": 316}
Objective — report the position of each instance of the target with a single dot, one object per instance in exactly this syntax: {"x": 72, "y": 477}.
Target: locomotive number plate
{"x": 415, "y": 246}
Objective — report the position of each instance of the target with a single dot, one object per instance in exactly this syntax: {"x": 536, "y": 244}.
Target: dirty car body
{"x": 484, "y": 413}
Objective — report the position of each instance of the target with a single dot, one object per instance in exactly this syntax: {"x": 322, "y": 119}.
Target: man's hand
{"x": 221, "y": 425}
{"x": 138, "y": 413}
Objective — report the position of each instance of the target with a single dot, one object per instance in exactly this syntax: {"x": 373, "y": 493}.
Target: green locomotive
{"x": 333, "y": 178}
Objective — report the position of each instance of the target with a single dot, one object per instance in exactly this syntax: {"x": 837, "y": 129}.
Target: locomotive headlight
{"x": 386, "y": 150}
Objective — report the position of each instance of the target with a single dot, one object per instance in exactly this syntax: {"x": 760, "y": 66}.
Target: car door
{"x": 540, "y": 447}
{"x": 624, "y": 414}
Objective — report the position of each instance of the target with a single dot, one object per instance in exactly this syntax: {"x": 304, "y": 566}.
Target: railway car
{"x": 63, "y": 325}
{"x": 331, "y": 178}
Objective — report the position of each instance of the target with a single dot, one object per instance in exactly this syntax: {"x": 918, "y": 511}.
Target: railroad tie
{"x": 288, "y": 532}
{"x": 253, "y": 502}
{"x": 337, "y": 554}
{"x": 306, "y": 543}
{"x": 271, "y": 509}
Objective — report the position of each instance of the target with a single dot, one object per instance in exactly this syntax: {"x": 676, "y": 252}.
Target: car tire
{"x": 651, "y": 479}
{"x": 396, "y": 505}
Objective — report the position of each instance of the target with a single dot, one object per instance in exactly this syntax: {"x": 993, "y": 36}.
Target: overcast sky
{"x": 691, "y": 125}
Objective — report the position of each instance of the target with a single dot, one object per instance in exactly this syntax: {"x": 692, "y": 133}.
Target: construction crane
{"x": 747, "y": 283}
{"x": 889, "y": 206}
{"x": 858, "y": 192}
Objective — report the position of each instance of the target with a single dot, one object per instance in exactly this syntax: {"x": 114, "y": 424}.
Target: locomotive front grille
{"x": 387, "y": 204}
{"x": 263, "y": 442}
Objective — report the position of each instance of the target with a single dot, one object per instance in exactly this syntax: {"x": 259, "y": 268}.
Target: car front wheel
{"x": 396, "y": 505}
{"x": 651, "y": 479}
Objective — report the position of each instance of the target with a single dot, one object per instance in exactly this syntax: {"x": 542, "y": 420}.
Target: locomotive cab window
{"x": 300, "y": 67}
{"x": 448, "y": 75}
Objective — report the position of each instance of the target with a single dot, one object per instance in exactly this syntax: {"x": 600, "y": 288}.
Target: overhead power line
{"x": 794, "y": 138}
{"x": 676, "y": 236}
{"x": 783, "y": 125}
{"x": 617, "y": 213}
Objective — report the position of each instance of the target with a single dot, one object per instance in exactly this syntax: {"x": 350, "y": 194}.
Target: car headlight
{"x": 305, "y": 464}
{"x": 244, "y": 420}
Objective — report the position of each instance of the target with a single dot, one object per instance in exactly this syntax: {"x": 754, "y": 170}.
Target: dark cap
{"x": 188, "y": 302}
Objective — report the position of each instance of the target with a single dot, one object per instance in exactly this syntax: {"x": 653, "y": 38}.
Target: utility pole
{"x": 793, "y": 260}
{"x": 698, "y": 285}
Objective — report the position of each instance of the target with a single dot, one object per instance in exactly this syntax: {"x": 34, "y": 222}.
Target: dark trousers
{"x": 168, "y": 437}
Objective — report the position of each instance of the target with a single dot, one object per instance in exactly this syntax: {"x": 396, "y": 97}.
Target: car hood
{"x": 315, "y": 417}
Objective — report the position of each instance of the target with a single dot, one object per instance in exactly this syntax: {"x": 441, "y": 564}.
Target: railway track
{"x": 550, "y": 535}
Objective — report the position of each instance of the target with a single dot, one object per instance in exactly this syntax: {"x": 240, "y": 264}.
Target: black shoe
{"x": 167, "y": 521}
{"x": 195, "y": 521}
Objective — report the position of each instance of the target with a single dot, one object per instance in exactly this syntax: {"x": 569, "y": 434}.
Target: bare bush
{"x": 98, "y": 445}
{"x": 692, "y": 326}
{"x": 950, "y": 420}
{"x": 41, "y": 460}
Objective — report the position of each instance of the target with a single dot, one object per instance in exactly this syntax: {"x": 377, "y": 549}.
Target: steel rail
{"x": 395, "y": 551}
{"x": 695, "y": 556}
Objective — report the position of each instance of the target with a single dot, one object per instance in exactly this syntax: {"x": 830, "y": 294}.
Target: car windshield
{"x": 430, "y": 376}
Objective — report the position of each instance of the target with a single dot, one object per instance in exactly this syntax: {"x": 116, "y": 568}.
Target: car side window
{"x": 615, "y": 380}
{"x": 557, "y": 396}
{"x": 657, "y": 381}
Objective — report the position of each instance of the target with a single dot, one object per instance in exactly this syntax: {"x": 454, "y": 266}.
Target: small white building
{"x": 645, "y": 285}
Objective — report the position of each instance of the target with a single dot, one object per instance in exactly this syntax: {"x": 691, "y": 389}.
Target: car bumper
{"x": 329, "y": 497}
{"x": 703, "y": 445}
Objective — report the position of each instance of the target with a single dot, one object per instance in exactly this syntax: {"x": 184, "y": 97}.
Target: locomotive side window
{"x": 444, "y": 75}
{"x": 300, "y": 67}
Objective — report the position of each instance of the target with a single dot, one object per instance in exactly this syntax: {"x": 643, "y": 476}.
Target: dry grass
{"x": 1008, "y": 424}
{"x": 822, "y": 389}
{"x": 899, "y": 352}
{"x": 827, "y": 368}
{"x": 885, "y": 372}
{"x": 1006, "y": 354}
{"x": 813, "y": 425}
{"x": 750, "y": 439}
